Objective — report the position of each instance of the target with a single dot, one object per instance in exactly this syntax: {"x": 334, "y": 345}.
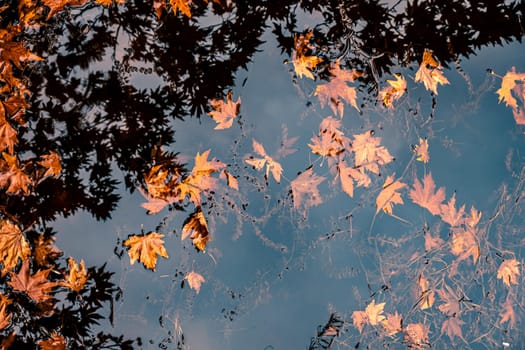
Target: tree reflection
{"x": 113, "y": 79}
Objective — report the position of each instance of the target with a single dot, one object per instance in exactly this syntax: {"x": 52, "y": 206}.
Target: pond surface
{"x": 292, "y": 267}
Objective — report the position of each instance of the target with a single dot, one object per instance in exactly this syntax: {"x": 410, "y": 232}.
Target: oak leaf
{"x": 195, "y": 280}
{"x": 266, "y": 161}
{"x": 225, "y": 112}
{"x": 389, "y": 195}
{"x": 422, "y": 151}
{"x": 430, "y": 72}
{"x": 337, "y": 90}
{"x": 369, "y": 154}
{"x": 196, "y": 227}
{"x": 56, "y": 342}
{"x": 509, "y": 272}
{"x": 304, "y": 190}
{"x": 36, "y": 286}
{"x": 145, "y": 249}
{"x": 13, "y": 246}
{"x": 424, "y": 196}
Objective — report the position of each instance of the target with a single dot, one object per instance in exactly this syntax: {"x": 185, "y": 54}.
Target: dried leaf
{"x": 389, "y": 195}
{"x": 145, "y": 249}
{"x": 182, "y": 6}
{"x": 77, "y": 277}
{"x": 36, "y": 286}
{"x": 449, "y": 214}
{"x": 13, "y": 246}
{"x": 394, "y": 91}
{"x": 416, "y": 335}
{"x": 56, "y": 342}
{"x": 509, "y": 272}
{"x": 13, "y": 175}
{"x": 195, "y": 280}
{"x": 374, "y": 313}
{"x": 464, "y": 244}
{"x": 331, "y": 141}
{"x": 508, "y": 86}
{"x": 52, "y": 163}
{"x": 393, "y": 324}
{"x": 196, "y": 228}
{"x": 424, "y": 195}
{"x": 422, "y": 151}
{"x": 430, "y": 72}
{"x": 225, "y": 112}
{"x": 305, "y": 191}
{"x": 369, "y": 154}
{"x": 5, "y": 318}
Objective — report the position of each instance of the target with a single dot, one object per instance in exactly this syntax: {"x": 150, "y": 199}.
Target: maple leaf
{"x": 426, "y": 299}
{"x": 51, "y": 162}
{"x": 374, "y": 313}
{"x": 14, "y": 50}
{"x": 416, "y": 334}
{"x": 304, "y": 190}
{"x": 509, "y": 272}
{"x": 393, "y": 324}
{"x": 508, "y": 315}
{"x": 286, "y": 144}
{"x": 331, "y": 141}
{"x": 303, "y": 64}
{"x": 230, "y": 179}
{"x": 17, "y": 179}
{"x": 451, "y": 299}
{"x": 195, "y": 280}
{"x": 432, "y": 242}
{"x": 44, "y": 251}
{"x": 449, "y": 214}
{"x": 13, "y": 245}
{"x": 369, "y": 154}
{"x": 145, "y": 248}
{"x": 464, "y": 244}
{"x": 337, "y": 90}
{"x": 5, "y": 318}
{"x": 424, "y": 195}
{"x": 56, "y": 6}
{"x": 508, "y": 85}
{"x": 360, "y": 319}
{"x": 196, "y": 228}
{"x": 36, "y": 286}
{"x": 452, "y": 327}
{"x": 422, "y": 151}
{"x": 388, "y": 196}
{"x": 182, "y": 6}
{"x": 8, "y": 134}
{"x": 271, "y": 165}
{"x": 155, "y": 205}
{"x": 394, "y": 91}
{"x": 56, "y": 342}
{"x": 430, "y": 72}
{"x": 225, "y": 112}
{"x": 348, "y": 175}
{"x": 77, "y": 277}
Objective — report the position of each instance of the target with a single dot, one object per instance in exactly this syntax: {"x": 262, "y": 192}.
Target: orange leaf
{"x": 369, "y": 154}
{"x": 271, "y": 165}
{"x": 416, "y": 334}
{"x": 508, "y": 85}
{"x": 5, "y": 318}
{"x": 195, "y": 280}
{"x": 13, "y": 245}
{"x": 196, "y": 228}
{"x": 337, "y": 90}
{"x": 77, "y": 277}
{"x": 394, "y": 91}
{"x": 35, "y": 286}
{"x": 360, "y": 319}
{"x": 388, "y": 196}
{"x": 422, "y": 151}
{"x": 393, "y": 324}
{"x": 452, "y": 327}
{"x": 424, "y": 195}
{"x": 225, "y": 112}
{"x": 51, "y": 161}
{"x": 430, "y": 72}
{"x": 305, "y": 191}
{"x": 182, "y": 6}
{"x": 12, "y": 174}
{"x": 449, "y": 214}
{"x": 330, "y": 141}
{"x": 8, "y": 134}
{"x": 145, "y": 248}
{"x": 509, "y": 272}
{"x": 56, "y": 6}
{"x": 56, "y": 342}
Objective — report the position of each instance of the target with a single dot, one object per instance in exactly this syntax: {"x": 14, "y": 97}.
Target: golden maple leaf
{"x": 13, "y": 175}
{"x": 303, "y": 64}
{"x": 52, "y": 163}
{"x": 337, "y": 90}
{"x": 369, "y": 154}
{"x": 394, "y": 91}
{"x": 389, "y": 195}
{"x": 13, "y": 245}
{"x": 56, "y": 342}
{"x": 5, "y": 318}
{"x": 430, "y": 72}
{"x": 422, "y": 151}
{"x": 145, "y": 248}
{"x": 225, "y": 112}
{"x": 36, "y": 286}
{"x": 182, "y": 6}
{"x": 509, "y": 272}
{"x": 450, "y": 215}
{"x": 77, "y": 277}
{"x": 266, "y": 161}
{"x": 374, "y": 313}
{"x": 424, "y": 195}
{"x": 195, "y": 280}
{"x": 196, "y": 227}
{"x": 508, "y": 86}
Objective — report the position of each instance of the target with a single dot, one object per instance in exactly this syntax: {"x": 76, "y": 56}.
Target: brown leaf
{"x": 145, "y": 248}
{"x": 196, "y": 228}
{"x": 56, "y": 342}
{"x": 13, "y": 246}
{"x": 52, "y": 163}
{"x": 36, "y": 286}
{"x": 77, "y": 277}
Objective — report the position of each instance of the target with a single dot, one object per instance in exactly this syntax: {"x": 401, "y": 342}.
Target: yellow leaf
{"x": 422, "y": 151}
{"x": 145, "y": 248}
{"x": 374, "y": 313}
{"x": 196, "y": 228}
{"x": 388, "y": 196}
{"x": 430, "y": 72}
{"x": 225, "y": 112}
{"x": 195, "y": 280}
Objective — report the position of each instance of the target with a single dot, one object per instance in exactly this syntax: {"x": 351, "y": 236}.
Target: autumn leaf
{"x": 145, "y": 249}
{"x": 56, "y": 6}
{"x": 422, "y": 151}
{"x": 196, "y": 228}
{"x": 36, "y": 286}
{"x": 508, "y": 85}
{"x": 182, "y": 6}
{"x": 450, "y": 215}
{"x": 225, "y": 112}
{"x": 5, "y": 318}
{"x": 56, "y": 342}
{"x": 302, "y": 63}
{"x": 509, "y": 272}
{"x": 463, "y": 243}
{"x": 77, "y": 277}
{"x": 451, "y": 300}
{"x": 389, "y": 195}
{"x": 195, "y": 280}
{"x": 426, "y": 299}
{"x": 374, "y": 313}
{"x": 8, "y": 134}
{"x": 394, "y": 91}
{"x": 13, "y": 246}
{"x": 155, "y": 205}
{"x": 369, "y": 154}
{"x": 13, "y": 175}
{"x": 45, "y": 251}
{"x": 473, "y": 218}
{"x": 360, "y": 319}
{"x": 331, "y": 141}
{"x": 452, "y": 328}
{"x": 347, "y": 176}
{"x": 266, "y": 161}
{"x": 52, "y": 163}
{"x": 432, "y": 242}
{"x": 424, "y": 196}
{"x": 508, "y": 314}
{"x": 430, "y": 72}
{"x": 393, "y": 324}
{"x": 337, "y": 90}
{"x": 416, "y": 335}
{"x": 304, "y": 190}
